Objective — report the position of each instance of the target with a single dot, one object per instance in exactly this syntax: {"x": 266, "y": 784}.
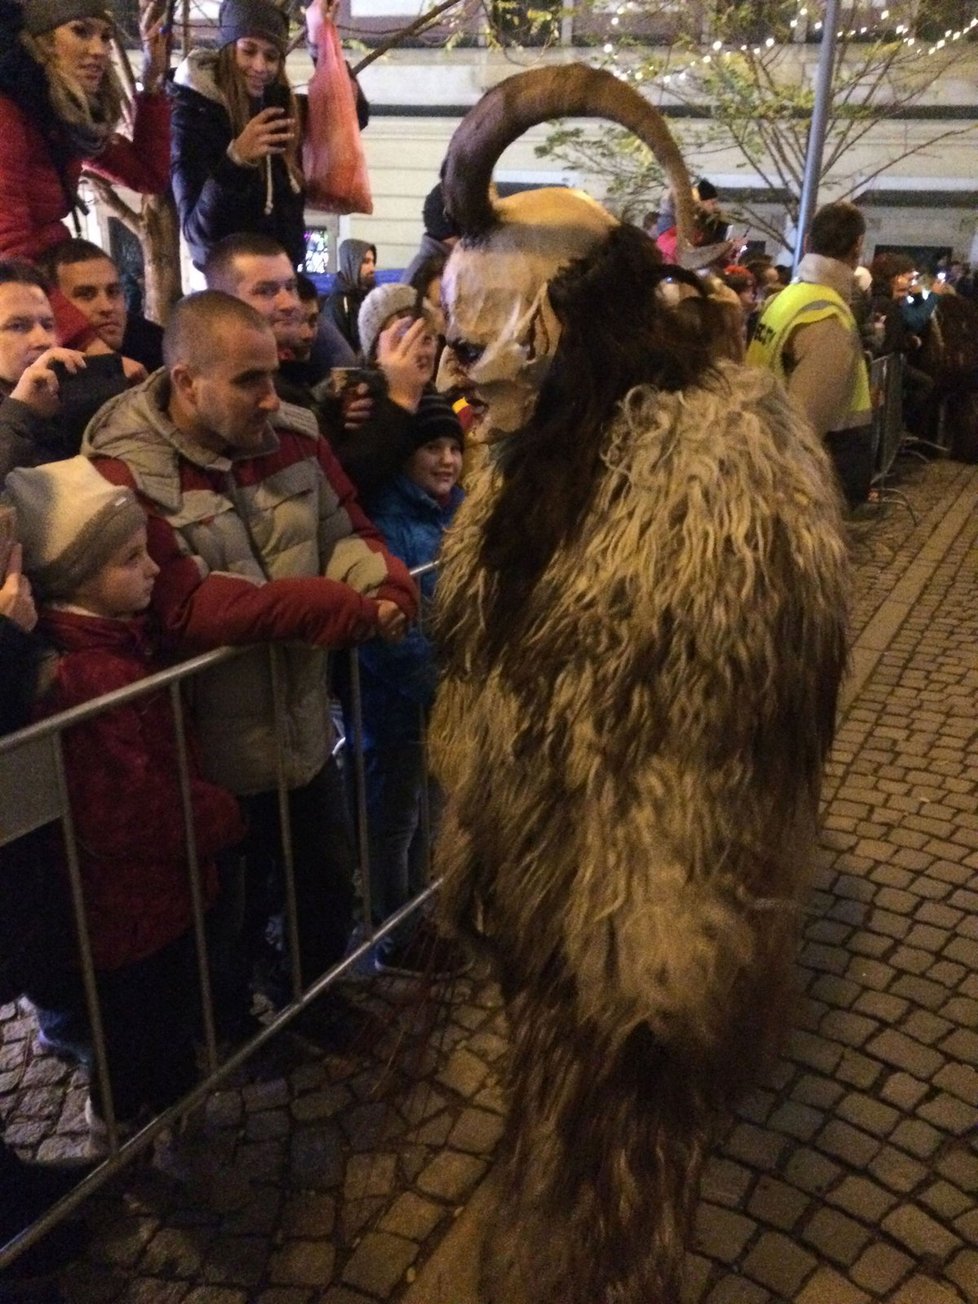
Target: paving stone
{"x": 174, "y": 1252}
{"x": 735, "y": 1290}
{"x": 868, "y": 1114}
{"x": 960, "y": 1080}
{"x": 919, "y": 1232}
{"x": 451, "y": 1175}
{"x": 897, "y": 1170}
{"x": 847, "y": 1143}
{"x": 904, "y": 1091}
{"x": 302, "y": 1263}
{"x": 315, "y": 1158}
{"x": 947, "y": 1202}
{"x": 724, "y": 1181}
{"x": 779, "y": 1264}
{"x": 308, "y": 1215}
{"x": 369, "y": 1175}
{"x": 903, "y": 1052}
{"x": 215, "y": 1295}
{"x": 835, "y": 1236}
{"x": 811, "y": 1171}
{"x": 963, "y": 1270}
{"x": 412, "y": 1217}
{"x": 379, "y": 1262}
{"x": 476, "y": 1131}
{"x": 918, "y": 1137}
{"x": 924, "y": 1290}
{"x": 880, "y": 1267}
{"x": 863, "y": 1198}
{"x": 721, "y": 1233}
{"x": 777, "y": 1203}
{"x": 827, "y": 1285}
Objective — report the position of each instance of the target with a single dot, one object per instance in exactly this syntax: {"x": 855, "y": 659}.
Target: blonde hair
{"x": 100, "y": 113}
{"x": 230, "y": 83}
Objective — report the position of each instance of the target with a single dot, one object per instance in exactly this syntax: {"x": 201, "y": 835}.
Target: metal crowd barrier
{"x": 886, "y": 385}
{"x": 34, "y": 793}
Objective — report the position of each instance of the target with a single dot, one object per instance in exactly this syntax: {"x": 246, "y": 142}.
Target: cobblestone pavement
{"x": 850, "y": 1174}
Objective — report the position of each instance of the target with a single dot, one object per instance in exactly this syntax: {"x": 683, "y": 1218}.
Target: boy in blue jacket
{"x": 412, "y": 512}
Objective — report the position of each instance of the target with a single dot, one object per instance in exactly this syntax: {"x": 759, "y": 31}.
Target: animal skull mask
{"x": 502, "y": 332}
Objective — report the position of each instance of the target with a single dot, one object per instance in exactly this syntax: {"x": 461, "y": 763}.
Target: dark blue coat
{"x": 398, "y": 679}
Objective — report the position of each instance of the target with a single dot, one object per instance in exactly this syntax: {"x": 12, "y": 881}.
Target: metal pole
{"x": 816, "y": 132}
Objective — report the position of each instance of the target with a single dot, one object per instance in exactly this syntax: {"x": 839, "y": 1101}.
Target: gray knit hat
{"x": 240, "y": 18}
{"x": 45, "y": 15}
{"x": 380, "y": 305}
{"x": 70, "y": 520}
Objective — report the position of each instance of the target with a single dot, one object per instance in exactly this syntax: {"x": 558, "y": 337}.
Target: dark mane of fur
{"x": 616, "y": 334}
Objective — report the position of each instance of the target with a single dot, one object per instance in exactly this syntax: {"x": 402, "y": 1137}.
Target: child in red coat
{"x": 85, "y": 552}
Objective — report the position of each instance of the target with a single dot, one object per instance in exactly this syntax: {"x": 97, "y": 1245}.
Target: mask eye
{"x": 467, "y": 353}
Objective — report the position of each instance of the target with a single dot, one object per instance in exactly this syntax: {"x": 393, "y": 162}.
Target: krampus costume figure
{"x": 642, "y": 608}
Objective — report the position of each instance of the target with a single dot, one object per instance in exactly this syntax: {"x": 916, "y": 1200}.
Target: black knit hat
{"x": 436, "y": 221}
{"x": 45, "y": 15}
{"x": 706, "y": 189}
{"x": 241, "y": 18}
{"x": 433, "y": 420}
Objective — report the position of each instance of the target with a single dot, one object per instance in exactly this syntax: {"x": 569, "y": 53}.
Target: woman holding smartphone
{"x": 236, "y": 150}
{"x": 61, "y": 106}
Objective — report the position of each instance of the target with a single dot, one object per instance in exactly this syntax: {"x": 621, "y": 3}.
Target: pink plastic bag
{"x": 332, "y": 152}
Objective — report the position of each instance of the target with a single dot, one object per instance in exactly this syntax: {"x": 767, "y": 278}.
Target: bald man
{"x": 259, "y": 538}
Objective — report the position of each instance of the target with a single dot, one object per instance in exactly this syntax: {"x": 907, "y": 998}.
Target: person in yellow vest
{"x": 808, "y": 337}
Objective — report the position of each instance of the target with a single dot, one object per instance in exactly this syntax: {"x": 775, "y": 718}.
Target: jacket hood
{"x": 136, "y": 428}
{"x": 197, "y": 72}
{"x": 351, "y": 255}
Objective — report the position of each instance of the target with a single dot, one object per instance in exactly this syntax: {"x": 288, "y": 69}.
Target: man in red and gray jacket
{"x": 259, "y": 539}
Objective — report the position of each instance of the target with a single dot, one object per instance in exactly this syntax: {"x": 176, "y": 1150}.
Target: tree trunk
{"x": 159, "y": 235}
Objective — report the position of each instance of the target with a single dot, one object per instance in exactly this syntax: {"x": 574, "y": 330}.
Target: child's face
{"x": 124, "y": 585}
{"x": 436, "y": 467}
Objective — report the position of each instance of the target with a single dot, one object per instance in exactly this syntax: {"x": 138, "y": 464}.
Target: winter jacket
{"x": 342, "y": 305}
{"x": 123, "y": 786}
{"x": 216, "y": 197}
{"x": 27, "y": 439}
{"x": 253, "y": 548}
{"x": 39, "y": 173}
{"x": 397, "y": 680}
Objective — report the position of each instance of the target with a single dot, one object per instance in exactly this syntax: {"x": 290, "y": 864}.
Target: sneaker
{"x": 425, "y": 954}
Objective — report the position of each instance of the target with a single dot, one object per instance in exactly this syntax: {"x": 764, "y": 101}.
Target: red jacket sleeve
{"x": 198, "y": 611}
{"x": 143, "y": 163}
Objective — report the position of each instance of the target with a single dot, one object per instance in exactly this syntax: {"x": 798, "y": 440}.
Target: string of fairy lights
{"x": 803, "y": 22}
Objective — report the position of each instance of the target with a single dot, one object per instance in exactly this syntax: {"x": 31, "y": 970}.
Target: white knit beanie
{"x": 70, "y": 520}
{"x": 379, "y": 306}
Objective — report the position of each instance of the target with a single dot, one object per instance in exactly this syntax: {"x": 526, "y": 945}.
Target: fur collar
{"x": 197, "y": 73}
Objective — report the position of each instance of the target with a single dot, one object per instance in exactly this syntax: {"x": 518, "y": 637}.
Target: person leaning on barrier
{"x": 84, "y": 543}
{"x": 260, "y": 539}
{"x": 808, "y": 337}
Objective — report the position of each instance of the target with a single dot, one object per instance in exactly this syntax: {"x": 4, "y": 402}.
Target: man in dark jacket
{"x": 42, "y": 411}
{"x": 354, "y": 281}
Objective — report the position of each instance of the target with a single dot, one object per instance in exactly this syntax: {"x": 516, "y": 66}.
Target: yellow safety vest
{"x": 801, "y": 304}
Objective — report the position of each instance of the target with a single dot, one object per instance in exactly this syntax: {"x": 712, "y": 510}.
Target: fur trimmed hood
{"x": 197, "y": 73}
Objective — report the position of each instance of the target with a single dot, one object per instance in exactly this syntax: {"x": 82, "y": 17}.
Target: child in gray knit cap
{"x": 84, "y": 543}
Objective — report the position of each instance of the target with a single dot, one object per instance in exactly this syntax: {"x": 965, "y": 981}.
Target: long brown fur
{"x": 633, "y": 793}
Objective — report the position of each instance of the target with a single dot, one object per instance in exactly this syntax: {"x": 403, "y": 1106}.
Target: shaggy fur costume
{"x": 634, "y": 785}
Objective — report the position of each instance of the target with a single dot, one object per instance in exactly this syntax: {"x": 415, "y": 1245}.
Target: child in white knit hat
{"x": 84, "y": 543}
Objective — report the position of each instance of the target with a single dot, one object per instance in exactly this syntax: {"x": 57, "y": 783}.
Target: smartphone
{"x": 276, "y": 96}
{"x": 342, "y": 380}
{"x": 81, "y": 393}
{"x": 8, "y": 536}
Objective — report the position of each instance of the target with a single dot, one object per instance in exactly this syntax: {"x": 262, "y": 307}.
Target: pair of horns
{"x": 541, "y": 95}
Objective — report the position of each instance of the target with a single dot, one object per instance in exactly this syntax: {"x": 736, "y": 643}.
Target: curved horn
{"x": 540, "y": 95}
